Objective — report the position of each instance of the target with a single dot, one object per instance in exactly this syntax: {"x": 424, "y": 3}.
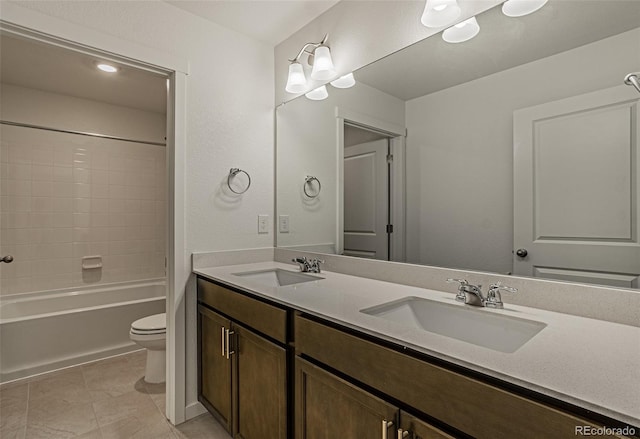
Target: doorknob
{"x": 522, "y": 252}
{"x": 8, "y": 259}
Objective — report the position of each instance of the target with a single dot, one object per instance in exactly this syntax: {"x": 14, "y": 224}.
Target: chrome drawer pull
{"x": 222, "y": 343}
{"x": 386, "y": 425}
{"x": 229, "y": 352}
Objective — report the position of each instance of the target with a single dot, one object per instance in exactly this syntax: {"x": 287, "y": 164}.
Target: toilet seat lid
{"x": 155, "y": 323}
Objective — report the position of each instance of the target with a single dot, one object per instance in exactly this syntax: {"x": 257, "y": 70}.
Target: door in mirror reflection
{"x": 366, "y": 200}
{"x": 575, "y": 187}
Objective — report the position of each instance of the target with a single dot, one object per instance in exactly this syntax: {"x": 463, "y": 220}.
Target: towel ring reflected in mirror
{"x": 308, "y": 181}
{"x": 232, "y": 173}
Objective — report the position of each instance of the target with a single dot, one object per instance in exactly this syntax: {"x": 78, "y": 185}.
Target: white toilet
{"x": 151, "y": 333}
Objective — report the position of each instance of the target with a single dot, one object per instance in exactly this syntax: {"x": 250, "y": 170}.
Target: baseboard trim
{"x": 194, "y": 409}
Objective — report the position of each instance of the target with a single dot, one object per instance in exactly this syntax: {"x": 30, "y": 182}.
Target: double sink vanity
{"x": 286, "y": 354}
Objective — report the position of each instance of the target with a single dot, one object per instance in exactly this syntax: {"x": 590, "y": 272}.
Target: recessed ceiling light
{"x": 107, "y": 68}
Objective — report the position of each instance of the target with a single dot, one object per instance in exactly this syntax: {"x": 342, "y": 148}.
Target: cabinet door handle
{"x": 228, "y": 335}
{"x": 386, "y": 425}
{"x": 402, "y": 433}
{"x": 223, "y": 339}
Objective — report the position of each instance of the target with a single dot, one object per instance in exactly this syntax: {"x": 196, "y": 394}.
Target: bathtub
{"x": 48, "y": 330}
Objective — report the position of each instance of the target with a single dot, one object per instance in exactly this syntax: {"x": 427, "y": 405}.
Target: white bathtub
{"x": 44, "y": 331}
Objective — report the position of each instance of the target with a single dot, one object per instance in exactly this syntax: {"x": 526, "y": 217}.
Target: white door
{"x": 576, "y": 189}
{"x": 366, "y": 200}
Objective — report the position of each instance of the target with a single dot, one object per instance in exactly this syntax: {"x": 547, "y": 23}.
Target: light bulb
{"x": 297, "y": 81}
{"x": 439, "y": 13}
{"x": 107, "y": 68}
{"x": 322, "y": 64}
{"x": 462, "y": 31}
{"x": 318, "y": 94}
{"x": 345, "y": 81}
{"x": 518, "y": 8}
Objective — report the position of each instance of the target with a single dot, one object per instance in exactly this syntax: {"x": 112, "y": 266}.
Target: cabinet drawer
{"x": 471, "y": 406}
{"x": 267, "y": 319}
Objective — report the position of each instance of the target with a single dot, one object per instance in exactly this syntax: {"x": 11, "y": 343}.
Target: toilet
{"x": 151, "y": 333}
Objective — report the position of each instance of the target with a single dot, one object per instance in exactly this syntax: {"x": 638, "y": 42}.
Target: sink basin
{"x": 276, "y": 277}
{"x": 477, "y": 326}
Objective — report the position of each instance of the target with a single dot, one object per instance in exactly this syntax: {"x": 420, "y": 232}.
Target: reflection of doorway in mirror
{"x": 583, "y": 228}
{"x": 367, "y": 190}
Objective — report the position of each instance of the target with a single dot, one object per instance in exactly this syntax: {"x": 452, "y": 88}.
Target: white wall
{"x": 460, "y": 151}
{"x": 361, "y": 32}
{"x": 307, "y": 145}
{"x": 39, "y": 107}
{"x": 67, "y": 196}
{"x": 229, "y": 122}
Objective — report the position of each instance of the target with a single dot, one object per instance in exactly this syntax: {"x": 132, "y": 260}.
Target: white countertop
{"x": 590, "y": 363}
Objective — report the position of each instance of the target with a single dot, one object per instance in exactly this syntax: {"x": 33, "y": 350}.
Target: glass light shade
{"x": 462, "y": 31}
{"x": 322, "y": 64}
{"x": 439, "y": 13}
{"x": 318, "y": 94}
{"x": 345, "y": 81}
{"x": 518, "y": 8}
{"x": 296, "y": 82}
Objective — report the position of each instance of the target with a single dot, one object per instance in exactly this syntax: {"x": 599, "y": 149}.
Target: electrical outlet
{"x": 283, "y": 223}
{"x": 263, "y": 223}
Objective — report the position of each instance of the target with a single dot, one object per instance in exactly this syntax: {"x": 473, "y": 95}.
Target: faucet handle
{"x": 494, "y": 298}
{"x": 499, "y": 287}
{"x": 462, "y": 282}
{"x": 460, "y": 296}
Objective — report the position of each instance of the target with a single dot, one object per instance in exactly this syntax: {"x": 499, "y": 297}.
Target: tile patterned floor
{"x": 107, "y": 399}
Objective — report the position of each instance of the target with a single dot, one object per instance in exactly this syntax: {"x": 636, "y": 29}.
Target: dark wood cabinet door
{"x": 214, "y": 375}
{"x": 327, "y": 407}
{"x": 418, "y": 429}
{"x": 260, "y": 386}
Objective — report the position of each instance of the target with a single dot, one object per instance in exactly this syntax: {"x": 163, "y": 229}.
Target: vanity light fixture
{"x": 440, "y": 13}
{"x": 318, "y": 94}
{"x": 107, "y": 68}
{"x": 296, "y": 82}
{"x": 345, "y": 81}
{"x": 518, "y": 8}
{"x": 461, "y": 32}
{"x": 319, "y": 58}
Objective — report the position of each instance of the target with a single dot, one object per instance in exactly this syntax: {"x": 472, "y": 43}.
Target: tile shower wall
{"x": 65, "y": 197}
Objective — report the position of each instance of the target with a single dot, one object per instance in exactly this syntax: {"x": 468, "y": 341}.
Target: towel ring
{"x": 307, "y": 181}
{"x": 232, "y": 173}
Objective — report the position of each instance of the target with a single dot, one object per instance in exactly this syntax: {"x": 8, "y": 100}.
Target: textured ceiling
{"x": 266, "y": 20}
{"x": 57, "y": 70}
{"x": 432, "y": 64}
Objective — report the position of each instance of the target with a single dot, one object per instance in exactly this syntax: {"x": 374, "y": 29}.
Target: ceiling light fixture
{"x": 107, "y": 68}
{"x": 461, "y": 32}
{"x": 320, "y": 57}
{"x": 518, "y": 8}
{"x": 345, "y": 81}
{"x": 318, "y": 94}
{"x": 440, "y": 13}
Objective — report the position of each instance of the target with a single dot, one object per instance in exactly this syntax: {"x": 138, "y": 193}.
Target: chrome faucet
{"x": 468, "y": 293}
{"x": 308, "y": 265}
{"x": 472, "y": 294}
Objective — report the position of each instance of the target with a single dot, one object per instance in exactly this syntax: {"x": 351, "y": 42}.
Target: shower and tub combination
{"x": 83, "y": 208}
{"x": 47, "y": 330}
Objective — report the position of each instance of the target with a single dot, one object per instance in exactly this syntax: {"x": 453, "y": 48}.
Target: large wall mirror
{"x": 514, "y": 152}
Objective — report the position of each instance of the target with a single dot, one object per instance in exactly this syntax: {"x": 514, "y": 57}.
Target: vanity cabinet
{"x": 270, "y": 372}
{"x": 466, "y": 404}
{"x": 242, "y": 369}
{"x": 329, "y": 407}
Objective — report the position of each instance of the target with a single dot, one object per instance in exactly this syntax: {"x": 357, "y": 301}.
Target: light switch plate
{"x": 283, "y": 223}
{"x": 263, "y": 223}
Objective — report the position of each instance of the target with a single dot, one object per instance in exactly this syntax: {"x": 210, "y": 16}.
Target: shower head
{"x": 632, "y": 79}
